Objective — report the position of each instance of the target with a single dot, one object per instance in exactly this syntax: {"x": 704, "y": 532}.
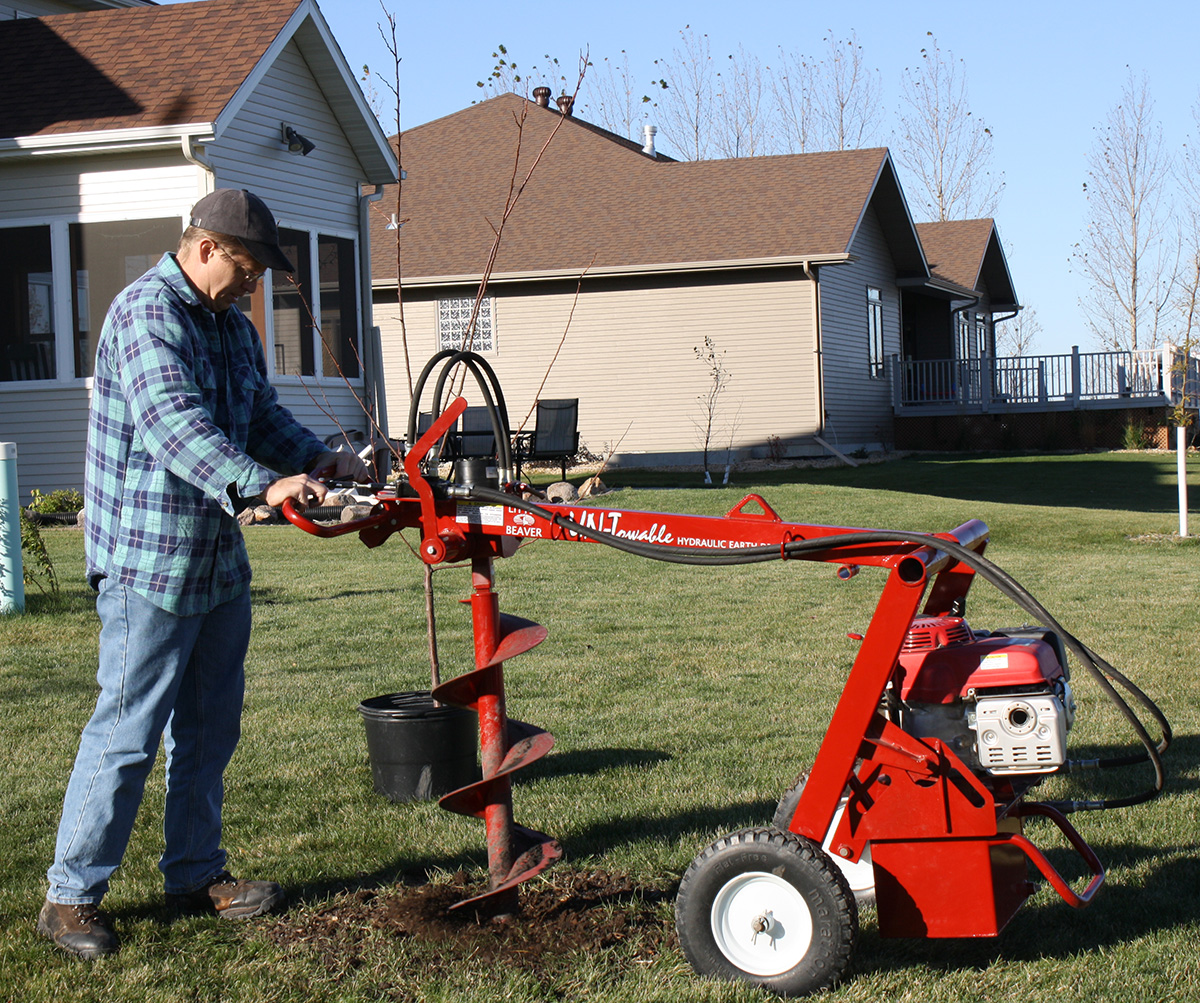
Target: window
{"x": 105, "y": 258}
{"x": 453, "y": 316}
{"x": 875, "y": 333}
{"x": 26, "y": 304}
{"x": 334, "y": 299}
{"x": 962, "y": 328}
{"x": 339, "y": 307}
{"x": 292, "y": 304}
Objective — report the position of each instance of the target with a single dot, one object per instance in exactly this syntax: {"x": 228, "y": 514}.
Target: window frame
{"x": 876, "y": 359}
{"x": 315, "y": 234}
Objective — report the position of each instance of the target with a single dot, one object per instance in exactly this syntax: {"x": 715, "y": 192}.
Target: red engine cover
{"x": 941, "y": 661}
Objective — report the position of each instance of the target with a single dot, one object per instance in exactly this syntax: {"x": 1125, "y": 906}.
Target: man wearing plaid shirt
{"x": 185, "y": 431}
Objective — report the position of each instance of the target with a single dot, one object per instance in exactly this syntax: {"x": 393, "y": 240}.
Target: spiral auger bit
{"x": 515, "y": 853}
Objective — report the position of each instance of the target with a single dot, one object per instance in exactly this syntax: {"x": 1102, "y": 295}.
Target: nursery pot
{"x": 419, "y": 749}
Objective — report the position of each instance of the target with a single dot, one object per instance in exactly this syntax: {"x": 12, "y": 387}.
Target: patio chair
{"x": 477, "y": 437}
{"x": 555, "y": 435}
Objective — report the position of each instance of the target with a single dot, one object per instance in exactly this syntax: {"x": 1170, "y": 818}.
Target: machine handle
{"x": 1057, "y": 881}
{"x": 297, "y": 519}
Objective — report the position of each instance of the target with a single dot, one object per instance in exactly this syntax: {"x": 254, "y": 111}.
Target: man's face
{"x": 232, "y": 275}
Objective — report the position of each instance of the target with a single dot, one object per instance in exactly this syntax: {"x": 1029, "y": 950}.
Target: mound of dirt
{"x": 562, "y": 913}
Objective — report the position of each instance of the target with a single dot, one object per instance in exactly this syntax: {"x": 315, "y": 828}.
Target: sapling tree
{"x": 719, "y": 378}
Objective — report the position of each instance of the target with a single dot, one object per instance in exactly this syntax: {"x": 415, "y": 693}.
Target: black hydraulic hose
{"x": 493, "y": 397}
{"x": 496, "y": 408}
{"x": 1100, "y": 670}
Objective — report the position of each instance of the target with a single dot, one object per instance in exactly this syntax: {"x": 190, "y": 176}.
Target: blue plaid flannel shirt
{"x": 184, "y": 425}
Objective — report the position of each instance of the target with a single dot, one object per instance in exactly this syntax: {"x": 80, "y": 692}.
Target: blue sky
{"x": 1042, "y": 75}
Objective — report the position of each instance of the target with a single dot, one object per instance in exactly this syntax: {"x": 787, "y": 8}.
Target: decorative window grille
{"x": 453, "y": 316}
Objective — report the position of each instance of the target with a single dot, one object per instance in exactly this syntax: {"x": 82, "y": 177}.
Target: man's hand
{"x": 301, "y": 488}
{"x": 341, "y": 465}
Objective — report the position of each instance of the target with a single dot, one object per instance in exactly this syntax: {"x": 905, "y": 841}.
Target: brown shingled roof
{"x": 955, "y": 249}
{"x": 133, "y": 68}
{"x": 967, "y": 253}
{"x": 597, "y": 203}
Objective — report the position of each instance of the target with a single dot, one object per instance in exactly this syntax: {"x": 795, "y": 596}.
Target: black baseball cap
{"x": 244, "y": 215}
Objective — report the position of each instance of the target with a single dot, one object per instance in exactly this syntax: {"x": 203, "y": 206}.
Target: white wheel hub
{"x": 761, "y": 923}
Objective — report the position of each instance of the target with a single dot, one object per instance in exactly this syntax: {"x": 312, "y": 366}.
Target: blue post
{"x": 12, "y": 578}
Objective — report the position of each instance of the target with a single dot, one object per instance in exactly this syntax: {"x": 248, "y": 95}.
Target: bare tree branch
{"x": 943, "y": 145}
{"x": 1126, "y": 252}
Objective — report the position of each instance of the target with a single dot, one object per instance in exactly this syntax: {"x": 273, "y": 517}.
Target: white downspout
{"x": 372, "y": 347}
{"x": 818, "y": 351}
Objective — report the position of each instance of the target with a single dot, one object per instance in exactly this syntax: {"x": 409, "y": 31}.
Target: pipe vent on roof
{"x": 541, "y": 97}
{"x": 649, "y": 131}
{"x": 566, "y": 103}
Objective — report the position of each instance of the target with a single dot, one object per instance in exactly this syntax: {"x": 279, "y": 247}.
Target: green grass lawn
{"x": 684, "y": 701}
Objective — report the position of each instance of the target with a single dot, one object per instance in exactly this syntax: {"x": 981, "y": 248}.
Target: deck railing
{"x": 1026, "y": 383}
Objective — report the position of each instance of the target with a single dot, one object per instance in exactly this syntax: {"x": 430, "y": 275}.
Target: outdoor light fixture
{"x": 295, "y": 142}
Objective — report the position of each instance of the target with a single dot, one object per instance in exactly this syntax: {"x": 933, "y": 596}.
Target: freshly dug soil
{"x": 564, "y": 912}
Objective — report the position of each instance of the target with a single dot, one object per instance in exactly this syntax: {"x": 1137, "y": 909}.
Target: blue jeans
{"x": 179, "y": 678}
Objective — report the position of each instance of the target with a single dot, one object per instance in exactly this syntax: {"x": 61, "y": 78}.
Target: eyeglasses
{"x": 247, "y": 275}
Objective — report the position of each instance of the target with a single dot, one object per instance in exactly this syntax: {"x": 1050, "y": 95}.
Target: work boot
{"x": 82, "y": 930}
{"x": 230, "y": 898}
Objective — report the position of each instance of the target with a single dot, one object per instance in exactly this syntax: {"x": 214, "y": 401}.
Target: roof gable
{"x": 967, "y": 253}
{"x": 101, "y": 76}
{"x": 105, "y": 70}
{"x": 597, "y": 202}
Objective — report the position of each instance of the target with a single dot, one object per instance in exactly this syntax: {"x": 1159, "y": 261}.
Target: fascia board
{"x": 103, "y": 140}
{"x": 675, "y": 268}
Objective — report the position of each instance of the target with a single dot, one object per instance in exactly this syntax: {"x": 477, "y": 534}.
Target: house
{"x": 956, "y": 314}
{"x": 619, "y": 268}
{"x": 118, "y": 116}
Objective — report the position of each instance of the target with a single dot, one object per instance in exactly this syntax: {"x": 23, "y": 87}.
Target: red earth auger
{"x": 917, "y": 797}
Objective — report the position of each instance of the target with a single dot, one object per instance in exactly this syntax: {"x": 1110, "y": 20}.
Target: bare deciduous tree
{"x": 616, "y": 104}
{"x": 1017, "y": 336}
{"x": 1189, "y": 283}
{"x": 1128, "y": 254}
{"x": 943, "y": 145}
{"x": 506, "y": 76}
{"x": 848, "y": 107}
{"x": 832, "y": 103}
{"x": 687, "y": 105}
{"x": 793, "y": 85}
{"x": 743, "y": 129}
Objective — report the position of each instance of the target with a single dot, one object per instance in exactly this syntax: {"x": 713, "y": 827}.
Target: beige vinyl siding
{"x": 629, "y": 357}
{"x": 319, "y": 190}
{"x": 858, "y": 408}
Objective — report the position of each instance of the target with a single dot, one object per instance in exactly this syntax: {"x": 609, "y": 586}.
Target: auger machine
{"x": 920, "y": 793}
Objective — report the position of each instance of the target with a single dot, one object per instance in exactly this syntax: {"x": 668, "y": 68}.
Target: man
{"x": 185, "y": 431}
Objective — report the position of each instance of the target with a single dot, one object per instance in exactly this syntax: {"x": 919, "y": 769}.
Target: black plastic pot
{"x": 419, "y": 749}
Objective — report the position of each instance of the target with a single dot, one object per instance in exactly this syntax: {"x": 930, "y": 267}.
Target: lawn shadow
{"x": 1084, "y": 480}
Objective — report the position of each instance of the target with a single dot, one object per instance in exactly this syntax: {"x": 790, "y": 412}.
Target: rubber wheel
{"x": 860, "y": 874}
{"x": 769, "y": 908}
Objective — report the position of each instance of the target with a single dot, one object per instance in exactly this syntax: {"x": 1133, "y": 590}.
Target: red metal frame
{"x": 948, "y": 852}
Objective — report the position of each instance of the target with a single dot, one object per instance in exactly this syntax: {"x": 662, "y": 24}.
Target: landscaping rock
{"x": 593, "y": 486}
{"x": 562, "y": 492}
{"x": 266, "y": 515}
